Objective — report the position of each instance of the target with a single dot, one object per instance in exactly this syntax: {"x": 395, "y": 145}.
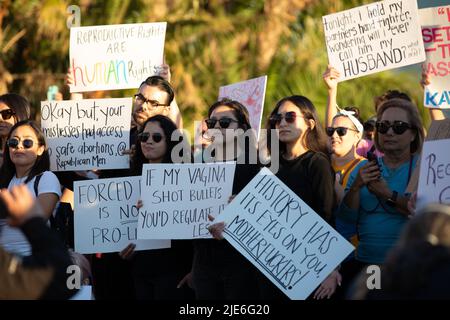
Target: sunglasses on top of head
{"x": 14, "y": 143}
{"x": 288, "y": 116}
{"x": 224, "y": 123}
{"x": 341, "y": 131}
{"x": 156, "y": 137}
{"x": 7, "y": 114}
{"x": 399, "y": 127}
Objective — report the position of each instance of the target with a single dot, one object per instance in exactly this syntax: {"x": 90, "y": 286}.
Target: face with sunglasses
{"x": 24, "y": 147}
{"x": 394, "y": 132}
{"x": 290, "y": 123}
{"x": 7, "y": 119}
{"x": 153, "y": 142}
{"x": 149, "y": 101}
{"x": 342, "y": 136}
{"x": 222, "y": 118}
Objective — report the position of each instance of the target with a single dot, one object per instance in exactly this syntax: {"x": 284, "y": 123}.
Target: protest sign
{"x": 178, "y": 198}
{"x": 115, "y": 56}
{"x": 87, "y": 134}
{"x": 251, "y": 94}
{"x": 106, "y": 216}
{"x": 435, "y": 24}
{"x": 434, "y": 178}
{"x": 282, "y": 236}
{"x": 374, "y": 37}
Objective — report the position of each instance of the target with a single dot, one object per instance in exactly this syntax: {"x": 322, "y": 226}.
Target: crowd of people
{"x": 353, "y": 174}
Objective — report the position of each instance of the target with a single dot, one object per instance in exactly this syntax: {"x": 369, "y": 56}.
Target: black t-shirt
{"x": 311, "y": 177}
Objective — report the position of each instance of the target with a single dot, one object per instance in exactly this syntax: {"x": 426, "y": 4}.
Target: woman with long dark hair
{"x": 26, "y": 161}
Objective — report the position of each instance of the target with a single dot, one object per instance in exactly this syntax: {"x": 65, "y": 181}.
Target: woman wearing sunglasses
{"x": 157, "y": 273}
{"x": 13, "y": 108}
{"x": 219, "y": 271}
{"x": 375, "y": 198}
{"x": 26, "y": 161}
{"x": 304, "y": 167}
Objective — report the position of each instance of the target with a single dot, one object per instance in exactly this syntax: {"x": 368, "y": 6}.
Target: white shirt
{"x": 12, "y": 239}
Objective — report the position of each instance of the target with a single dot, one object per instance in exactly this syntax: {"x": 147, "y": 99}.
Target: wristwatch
{"x": 392, "y": 200}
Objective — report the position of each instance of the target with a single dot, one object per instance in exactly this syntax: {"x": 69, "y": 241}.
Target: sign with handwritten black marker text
{"x": 87, "y": 134}
{"x": 375, "y": 37}
{"x": 178, "y": 198}
{"x": 106, "y": 216}
{"x": 282, "y": 236}
{"x": 115, "y": 57}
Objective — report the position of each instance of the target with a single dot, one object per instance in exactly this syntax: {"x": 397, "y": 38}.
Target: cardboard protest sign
{"x": 435, "y": 24}
{"x": 251, "y": 94}
{"x": 434, "y": 179}
{"x": 106, "y": 216}
{"x": 87, "y": 134}
{"x": 178, "y": 198}
{"x": 374, "y": 37}
{"x": 115, "y": 56}
{"x": 439, "y": 129}
{"x": 282, "y": 236}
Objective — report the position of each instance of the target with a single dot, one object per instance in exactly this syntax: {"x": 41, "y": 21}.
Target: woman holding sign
{"x": 375, "y": 198}
{"x": 26, "y": 161}
{"x": 157, "y": 273}
{"x": 220, "y": 271}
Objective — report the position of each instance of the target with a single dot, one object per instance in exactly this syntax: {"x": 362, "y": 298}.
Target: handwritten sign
{"x": 179, "y": 197}
{"x": 435, "y": 24}
{"x": 434, "y": 178}
{"x": 251, "y": 94}
{"x": 106, "y": 216}
{"x": 87, "y": 134}
{"x": 282, "y": 236}
{"x": 375, "y": 37}
{"x": 115, "y": 56}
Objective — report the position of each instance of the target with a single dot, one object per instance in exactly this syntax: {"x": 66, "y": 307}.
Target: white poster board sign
{"x": 106, "y": 216}
{"x": 435, "y": 24}
{"x": 375, "y": 37}
{"x": 87, "y": 134}
{"x": 251, "y": 94}
{"x": 114, "y": 57}
{"x": 178, "y": 198}
{"x": 282, "y": 236}
{"x": 434, "y": 177}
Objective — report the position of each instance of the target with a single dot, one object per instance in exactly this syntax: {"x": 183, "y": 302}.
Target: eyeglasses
{"x": 7, "y": 114}
{"x": 224, "y": 123}
{"x": 399, "y": 127}
{"x": 14, "y": 143}
{"x": 144, "y": 136}
{"x": 369, "y": 126}
{"x": 288, "y": 116}
{"x": 341, "y": 131}
{"x": 140, "y": 99}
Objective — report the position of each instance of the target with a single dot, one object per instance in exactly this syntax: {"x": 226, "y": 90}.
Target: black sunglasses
{"x": 139, "y": 98}
{"x": 341, "y": 131}
{"x": 369, "y": 126}
{"x": 14, "y": 143}
{"x": 224, "y": 123}
{"x": 144, "y": 136}
{"x": 7, "y": 114}
{"x": 399, "y": 127}
{"x": 288, "y": 116}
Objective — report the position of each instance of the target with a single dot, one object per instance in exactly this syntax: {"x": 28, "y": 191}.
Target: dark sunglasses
{"x": 288, "y": 116}
{"x": 341, "y": 131}
{"x": 224, "y": 123}
{"x": 14, "y": 143}
{"x": 399, "y": 127}
{"x": 144, "y": 136}
{"x": 7, "y": 114}
{"x": 369, "y": 126}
